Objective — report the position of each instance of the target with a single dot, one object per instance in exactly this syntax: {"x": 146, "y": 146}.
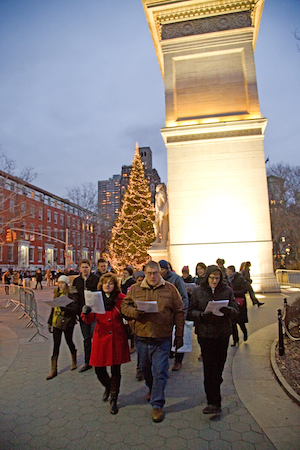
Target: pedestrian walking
{"x": 154, "y": 331}
{"x": 86, "y": 281}
{"x": 39, "y": 277}
{"x": 62, "y": 321}
{"x": 213, "y": 332}
{"x": 110, "y": 342}
{"x": 245, "y": 271}
{"x": 239, "y": 287}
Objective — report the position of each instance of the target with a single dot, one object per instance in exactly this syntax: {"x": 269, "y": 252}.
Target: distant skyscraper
{"x": 110, "y": 192}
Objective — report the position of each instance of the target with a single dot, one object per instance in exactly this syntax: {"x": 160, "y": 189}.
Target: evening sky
{"x": 80, "y": 84}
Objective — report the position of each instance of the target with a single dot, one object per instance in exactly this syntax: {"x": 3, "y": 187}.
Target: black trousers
{"x": 112, "y": 382}
{"x": 87, "y": 333}
{"x": 235, "y": 333}
{"x": 57, "y": 334}
{"x": 214, "y": 354}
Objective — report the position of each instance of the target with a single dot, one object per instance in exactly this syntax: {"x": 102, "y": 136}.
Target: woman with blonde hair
{"x": 62, "y": 320}
{"x": 110, "y": 341}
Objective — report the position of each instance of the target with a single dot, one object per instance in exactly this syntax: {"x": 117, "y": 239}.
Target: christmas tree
{"x": 133, "y": 233}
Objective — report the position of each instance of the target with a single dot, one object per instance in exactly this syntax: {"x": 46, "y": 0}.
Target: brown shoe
{"x": 157, "y": 415}
{"x": 148, "y": 396}
{"x": 177, "y": 366}
{"x": 212, "y": 409}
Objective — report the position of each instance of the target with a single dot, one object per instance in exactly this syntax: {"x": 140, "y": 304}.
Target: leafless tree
{"x": 284, "y": 194}
{"x": 297, "y": 37}
{"x": 84, "y": 196}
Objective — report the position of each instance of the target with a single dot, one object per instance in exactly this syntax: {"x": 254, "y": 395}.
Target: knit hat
{"x": 185, "y": 269}
{"x": 64, "y": 278}
{"x": 138, "y": 274}
{"x": 164, "y": 264}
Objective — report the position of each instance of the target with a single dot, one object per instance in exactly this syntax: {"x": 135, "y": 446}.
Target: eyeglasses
{"x": 214, "y": 278}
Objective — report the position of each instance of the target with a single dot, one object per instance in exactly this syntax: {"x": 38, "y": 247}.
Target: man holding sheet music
{"x": 213, "y": 327}
{"x": 85, "y": 281}
{"x": 153, "y": 329}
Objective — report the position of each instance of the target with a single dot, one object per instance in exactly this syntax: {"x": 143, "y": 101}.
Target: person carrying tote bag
{"x": 62, "y": 321}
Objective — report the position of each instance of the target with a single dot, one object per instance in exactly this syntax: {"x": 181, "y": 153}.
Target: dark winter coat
{"x": 90, "y": 284}
{"x": 126, "y": 285}
{"x": 240, "y": 288}
{"x": 211, "y": 326}
{"x": 69, "y": 311}
{"x": 110, "y": 342}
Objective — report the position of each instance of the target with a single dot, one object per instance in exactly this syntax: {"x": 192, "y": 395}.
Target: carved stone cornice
{"x": 201, "y": 10}
{"x": 214, "y": 135}
{"x": 206, "y": 25}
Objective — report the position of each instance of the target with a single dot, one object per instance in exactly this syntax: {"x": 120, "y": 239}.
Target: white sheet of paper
{"x": 58, "y": 302}
{"x": 214, "y": 307}
{"x": 147, "y": 307}
{"x": 95, "y": 301}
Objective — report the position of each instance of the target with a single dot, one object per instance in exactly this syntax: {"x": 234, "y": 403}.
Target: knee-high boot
{"x": 114, "y": 392}
{"x": 105, "y": 380}
{"x": 53, "y": 372}
{"x": 74, "y": 360}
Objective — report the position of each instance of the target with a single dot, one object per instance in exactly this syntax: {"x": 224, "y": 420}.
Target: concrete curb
{"x": 280, "y": 378}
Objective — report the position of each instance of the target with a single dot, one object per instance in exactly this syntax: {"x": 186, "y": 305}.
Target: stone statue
{"x": 161, "y": 224}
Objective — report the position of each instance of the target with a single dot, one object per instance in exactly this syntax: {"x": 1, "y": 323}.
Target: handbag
{"x": 126, "y": 326}
{"x": 62, "y": 322}
{"x": 239, "y": 301}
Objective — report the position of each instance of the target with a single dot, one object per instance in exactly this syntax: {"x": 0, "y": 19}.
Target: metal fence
{"x": 289, "y": 278}
{"x": 22, "y": 299}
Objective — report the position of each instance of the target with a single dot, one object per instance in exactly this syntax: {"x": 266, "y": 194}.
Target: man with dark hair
{"x": 154, "y": 331}
{"x": 101, "y": 267}
{"x": 85, "y": 282}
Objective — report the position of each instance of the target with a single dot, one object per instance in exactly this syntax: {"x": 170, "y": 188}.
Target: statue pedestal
{"x": 159, "y": 251}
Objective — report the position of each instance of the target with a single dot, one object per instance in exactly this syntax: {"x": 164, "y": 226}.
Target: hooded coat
{"x": 211, "y": 326}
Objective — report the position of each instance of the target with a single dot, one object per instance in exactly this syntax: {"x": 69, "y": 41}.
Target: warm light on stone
{"x": 217, "y": 186}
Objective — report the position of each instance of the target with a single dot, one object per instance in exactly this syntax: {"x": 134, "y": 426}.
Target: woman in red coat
{"x": 110, "y": 342}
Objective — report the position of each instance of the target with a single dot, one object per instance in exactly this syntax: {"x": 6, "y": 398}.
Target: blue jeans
{"x": 153, "y": 355}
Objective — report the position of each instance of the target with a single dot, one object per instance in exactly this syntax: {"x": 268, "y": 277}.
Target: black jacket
{"x": 211, "y": 326}
{"x": 90, "y": 284}
{"x": 240, "y": 288}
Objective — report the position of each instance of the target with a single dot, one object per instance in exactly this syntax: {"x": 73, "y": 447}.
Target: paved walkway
{"x": 67, "y": 412}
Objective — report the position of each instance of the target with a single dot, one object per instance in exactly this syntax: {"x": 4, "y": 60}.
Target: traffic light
{"x": 14, "y": 236}
{"x": 8, "y": 235}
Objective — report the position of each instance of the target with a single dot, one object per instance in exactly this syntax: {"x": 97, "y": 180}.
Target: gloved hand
{"x": 225, "y": 310}
{"x": 86, "y": 309}
{"x": 178, "y": 342}
{"x": 139, "y": 315}
{"x": 50, "y": 329}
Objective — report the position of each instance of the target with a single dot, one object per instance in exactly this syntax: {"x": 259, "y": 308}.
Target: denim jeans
{"x": 153, "y": 357}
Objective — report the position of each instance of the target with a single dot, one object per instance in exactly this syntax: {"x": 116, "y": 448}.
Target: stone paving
{"x": 67, "y": 412}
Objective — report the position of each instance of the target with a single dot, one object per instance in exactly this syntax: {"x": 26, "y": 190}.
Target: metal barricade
{"x": 23, "y": 299}
{"x": 289, "y": 278}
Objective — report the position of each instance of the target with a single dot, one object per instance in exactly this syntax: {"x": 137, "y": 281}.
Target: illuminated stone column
{"x": 214, "y": 132}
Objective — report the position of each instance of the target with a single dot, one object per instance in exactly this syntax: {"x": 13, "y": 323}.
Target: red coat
{"x": 110, "y": 342}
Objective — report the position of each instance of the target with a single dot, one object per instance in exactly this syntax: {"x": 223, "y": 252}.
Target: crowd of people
{"x": 158, "y": 305}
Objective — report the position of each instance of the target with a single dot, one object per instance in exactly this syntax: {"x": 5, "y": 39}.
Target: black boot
{"x": 114, "y": 392}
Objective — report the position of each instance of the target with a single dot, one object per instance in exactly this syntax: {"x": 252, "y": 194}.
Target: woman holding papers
{"x": 69, "y": 314}
{"x": 110, "y": 342}
{"x": 213, "y": 330}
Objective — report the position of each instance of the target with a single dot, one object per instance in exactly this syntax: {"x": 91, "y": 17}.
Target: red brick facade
{"x": 40, "y": 220}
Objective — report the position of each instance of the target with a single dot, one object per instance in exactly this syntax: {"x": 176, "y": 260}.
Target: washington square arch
{"x": 214, "y": 132}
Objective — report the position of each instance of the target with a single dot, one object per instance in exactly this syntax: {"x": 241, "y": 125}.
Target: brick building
{"x": 42, "y": 224}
